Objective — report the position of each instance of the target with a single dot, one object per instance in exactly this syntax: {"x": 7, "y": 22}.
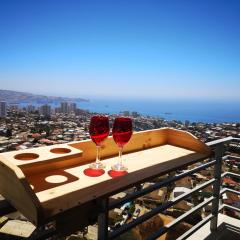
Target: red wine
{"x": 99, "y": 129}
{"x": 122, "y": 130}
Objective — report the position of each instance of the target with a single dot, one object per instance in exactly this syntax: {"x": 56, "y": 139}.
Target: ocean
{"x": 193, "y": 111}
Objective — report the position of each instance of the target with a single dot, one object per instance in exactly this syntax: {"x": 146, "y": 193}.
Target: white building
{"x": 3, "y": 109}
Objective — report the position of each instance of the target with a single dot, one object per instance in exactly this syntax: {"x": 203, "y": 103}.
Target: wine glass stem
{"x": 120, "y": 156}
{"x": 98, "y": 156}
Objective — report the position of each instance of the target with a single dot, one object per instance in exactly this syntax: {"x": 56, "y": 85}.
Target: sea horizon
{"x": 215, "y": 111}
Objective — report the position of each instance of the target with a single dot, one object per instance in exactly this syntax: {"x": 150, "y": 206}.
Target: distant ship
{"x": 167, "y": 113}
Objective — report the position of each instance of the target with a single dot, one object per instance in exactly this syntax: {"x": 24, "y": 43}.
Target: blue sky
{"x": 138, "y": 49}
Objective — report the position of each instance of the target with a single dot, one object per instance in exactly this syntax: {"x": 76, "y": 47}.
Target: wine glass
{"x": 99, "y": 130}
{"x": 122, "y": 132}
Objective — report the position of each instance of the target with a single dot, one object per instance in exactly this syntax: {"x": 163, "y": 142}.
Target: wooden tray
{"x": 46, "y": 181}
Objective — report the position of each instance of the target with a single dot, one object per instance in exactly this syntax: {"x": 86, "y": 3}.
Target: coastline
{"x": 206, "y": 112}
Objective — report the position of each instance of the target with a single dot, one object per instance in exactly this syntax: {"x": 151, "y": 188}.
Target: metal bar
{"x": 195, "y": 228}
{"x": 156, "y": 186}
{"x": 157, "y": 210}
{"x": 226, "y": 157}
{"x": 219, "y": 141}
{"x": 225, "y": 174}
{"x": 216, "y": 186}
{"x": 236, "y": 139}
{"x": 231, "y": 174}
{"x": 229, "y": 190}
{"x": 103, "y": 220}
{"x": 169, "y": 226}
{"x": 231, "y": 207}
{"x": 233, "y": 157}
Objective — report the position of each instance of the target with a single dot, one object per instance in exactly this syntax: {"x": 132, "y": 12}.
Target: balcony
{"x": 169, "y": 150}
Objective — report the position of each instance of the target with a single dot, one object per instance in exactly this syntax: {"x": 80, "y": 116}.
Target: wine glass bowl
{"x": 99, "y": 131}
{"x": 122, "y": 132}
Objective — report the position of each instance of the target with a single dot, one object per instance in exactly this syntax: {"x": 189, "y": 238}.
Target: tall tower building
{"x": 3, "y": 109}
{"x": 72, "y": 107}
{"x": 45, "y": 110}
{"x": 64, "y": 107}
{"x": 30, "y": 108}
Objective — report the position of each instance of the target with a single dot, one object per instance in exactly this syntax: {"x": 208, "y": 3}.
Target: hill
{"x": 23, "y": 97}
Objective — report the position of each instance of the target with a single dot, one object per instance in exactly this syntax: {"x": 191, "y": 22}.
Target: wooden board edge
{"x": 140, "y": 141}
{"x": 15, "y": 188}
{"x": 187, "y": 140}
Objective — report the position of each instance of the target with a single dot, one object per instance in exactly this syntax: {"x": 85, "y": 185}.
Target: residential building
{"x": 45, "y": 110}
{"x": 64, "y": 107}
{"x": 3, "y": 109}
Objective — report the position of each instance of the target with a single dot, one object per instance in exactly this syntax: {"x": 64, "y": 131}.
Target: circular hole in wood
{"x": 56, "y": 179}
{"x": 60, "y": 150}
{"x": 26, "y": 156}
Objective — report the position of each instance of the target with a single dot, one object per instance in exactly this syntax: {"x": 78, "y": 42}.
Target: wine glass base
{"x": 93, "y": 172}
{"x": 119, "y": 167}
{"x": 115, "y": 174}
{"x": 97, "y": 166}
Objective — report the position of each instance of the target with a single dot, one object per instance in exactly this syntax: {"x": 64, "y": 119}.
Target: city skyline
{"x": 141, "y": 49}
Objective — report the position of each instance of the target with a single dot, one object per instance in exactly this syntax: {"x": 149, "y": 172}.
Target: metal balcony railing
{"x": 218, "y": 147}
{"x": 106, "y": 205}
